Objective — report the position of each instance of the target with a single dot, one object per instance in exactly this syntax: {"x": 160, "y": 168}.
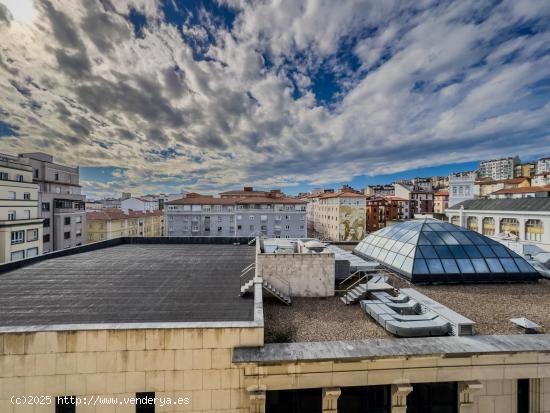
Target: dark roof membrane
{"x": 426, "y": 251}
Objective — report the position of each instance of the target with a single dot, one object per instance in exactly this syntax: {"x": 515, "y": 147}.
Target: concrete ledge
{"x": 392, "y": 348}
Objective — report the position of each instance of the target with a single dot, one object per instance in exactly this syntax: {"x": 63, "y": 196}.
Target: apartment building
{"x": 461, "y": 186}
{"x": 440, "y": 182}
{"x": 379, "y": 190}
{"x": 20, "y": 223}
{"x": 62, "y": 205}
{"x": 524, "y": 192}
{"x": 441, "y": 202}
{"x": 543, "y": 165}
{"x": 139, "y": 204}
{"x": 526, "y": 170}
{"x": 237, "y": 213}
{"x": 541, "y": 179}
{"x": 498, "y": 169}
{"x": 421, "y": 200}
{"x": 485, "y": 187}
{"x": 338, "y": 216}
{"x": 113, "y": 223}
{"x": 382, "y": 211}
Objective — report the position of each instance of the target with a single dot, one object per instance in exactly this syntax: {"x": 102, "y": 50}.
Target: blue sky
{"x": 150, "y": 96}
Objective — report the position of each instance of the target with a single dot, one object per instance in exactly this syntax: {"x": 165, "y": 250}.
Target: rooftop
{"x": 109, "y": 214}
{"x": 512, "y": 181}
{"x": 520, "y": 204}
{"x": 523, "y": 190}
{"x": 127, "y": 283}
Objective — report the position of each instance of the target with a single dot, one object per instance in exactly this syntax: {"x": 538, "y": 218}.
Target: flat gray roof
{"x": 388, "y": 348}
{"x": 519, "y": 204}
{"x": 129, "y": 283}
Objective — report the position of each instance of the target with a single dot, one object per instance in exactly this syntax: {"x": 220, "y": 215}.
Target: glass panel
{"x": 423, "y": 240}
{"x": 480, "y": 265}
{"x": 420, "y": 267}
{"x": 472, "y": 251}
{"x": 475, "y": 238}
{"x": 500, "y": 251}
{"x": 407, "y": 265}
{"x": 398, "y": 246}
{"x": 435, "y": 266}
{"x": 509, "y": 265}
{"x": 406, "y": 249}
{"x": 434, "y": 239}
{"x": 462, "y": 239}
{"x": 486, "y": 251}
{"x": 398, "y": 261}
{"x": 458, "y": 251}
{"x": 389, "y": 244}
{"x": 389, "y": 258}
{"x": 523, "y": 265}
{"x": 427, "y": 251}
{"x": 448, "y": 238}
{"x": 443, "y": 251}
{"x": 450, "y": 266}
{"x": 494, "y": 265}
{"x": 465, "y": 266}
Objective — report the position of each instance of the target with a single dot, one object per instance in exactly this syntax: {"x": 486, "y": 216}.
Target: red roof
{"x": 110, "y": 214}
{"x": 524, "y": 190}
{"x": 210, "y": 200}
{"x": 489, "y": 181}
{"x": 343, "y": 194}
{"x": 442, "y": 193}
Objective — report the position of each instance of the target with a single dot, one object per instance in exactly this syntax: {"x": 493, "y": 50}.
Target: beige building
{"x": 107, "y": 224}
{"x": 171, "y": 326}
{"x": 337, "y": 216}
{"x": 20, "y": 225}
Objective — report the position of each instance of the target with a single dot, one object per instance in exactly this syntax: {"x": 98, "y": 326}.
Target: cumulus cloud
{"x": 273, "y": 93}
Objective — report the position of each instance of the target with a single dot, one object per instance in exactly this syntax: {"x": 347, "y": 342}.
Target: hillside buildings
{"x": 243, "y": 213}
{"x": 485, "y": 187}
{"x": 523, "y": 192}
{"x": 20, "y": 222}
{"x": 541, "y": 179}
{"x": 543, "y": 165}
{"x": 525, "y": 220}
{"x": 337, "y": 216}
{"x": 379, "y": 190}
{"x": 461, "y": 187}
{"x": 498, "y": 169}
{"x": 526, "y": 170}
{"x": 139, "y": 204}
{"x": 107, "y": 224}
{"x": 61, "y": 203}
{"x": 384, "y": 211}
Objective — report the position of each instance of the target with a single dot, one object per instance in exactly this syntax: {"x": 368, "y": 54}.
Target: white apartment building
{"x": 498, "y": 169}
{"x": 139, "y": 204}
{"x": 20, "y": 224}
{"x": 541, "y": 179}
{"x": 461, "y": 187}
{"x": 543, "y": 165}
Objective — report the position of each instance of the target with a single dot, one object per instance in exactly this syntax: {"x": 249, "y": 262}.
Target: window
{"x": 471, "y": 223}
{"x": 455, "y": 220}
{"x": 65, "y": 404}
{"x": 251, "y": 227}
{"x": 11, "y": 195}
{"x": 46, "y": 238}
{"x": 239, "y": 217}
{"x": 19, "y": 178}
{"x": 287, "y": 227}
{"x": 251, "y": 217}
{"x": 56, "y": 177}
{"x": 263, "y": 217}
{"x": 534, "y": 230}
{"x": 32, "y": 252}
{"x": 372, "y": 399}
{"x": 17, "y": 255}
{"x": 219, "y": 229}
{"x": 217, "y": 208}
{"x": 78, "y": 232}
{"x": 488, "y": 226}
{"x": 67, "y": 235}
{"x": 433, "y": 398}
{"x": 17, "y": 237}
{"x": 45, "y": 206}
{"x": 509, "y": 225}
{"x": 27, "y": 196}
{"x": 35, "y": 173}
{"x": 78, "y": 219}
{"x": 145, "y": 402}
{"x": 523, "y": 405}
{"x": 11, "y": 215}
{"x": 4, "y": 176}
{"x": 220, "y": 218}
{"x": 206, "y": 208}
{"x": 27, "y": 214}
{"x": 303, "y": 401}
{"x": 32, "y": 235}
{"x": 67, "y": 220}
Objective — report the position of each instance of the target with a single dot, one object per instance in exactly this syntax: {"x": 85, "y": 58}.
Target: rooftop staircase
{"x": 247, "y": 285}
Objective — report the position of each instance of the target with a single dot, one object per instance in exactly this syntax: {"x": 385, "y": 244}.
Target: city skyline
{"x": 208, "y": 95}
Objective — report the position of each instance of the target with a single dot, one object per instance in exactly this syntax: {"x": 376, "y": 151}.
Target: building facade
{"x": 543, "y": 165}
{"x": 383, "y": 211}
{"x": 524, "y": 192}
{"x": 139, "y": 204}
{"x": 526, "y": 170}
{"x": 113, "y": 223}
{"x": 485, "y": 187}
{"x": 421, "y": 200}
{"x": 338, "y": 216}
{"x": 61, "y": 203}
{"x": 379, "y": 190}
{"x": 20, "y": 223}
{"x": 461, "y": 187}
{"x": 255, "y": 213}
{"x": 498, "y": 169}
{"x": 441, "y": 202}
{"x": 526, "y": 219}
{"x": 541, "y": 179}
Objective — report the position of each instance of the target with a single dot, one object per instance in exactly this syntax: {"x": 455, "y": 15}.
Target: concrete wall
{"x": 299, "y": 275}
{"x": 183, "y": 362}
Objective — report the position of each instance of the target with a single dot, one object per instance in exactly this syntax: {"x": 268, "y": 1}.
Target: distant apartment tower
{"x": 20, "y": 223}
{"x": 338, "y": 216}
{"x": 525, "y": 170}
{"x": 498, "y": 169}
{"x": 461, "y": 187}
{"x": 139, "y": 204}
{"x": 237, "y": 213}
{"x": 379, "y": 190}
{"x": 126, "y": 195}
{"x": 543, "y": 165}
{"x": 62, "y": 205}
{"x": 382, "y": 211}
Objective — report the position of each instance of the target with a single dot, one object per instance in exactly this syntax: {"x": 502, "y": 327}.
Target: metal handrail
{"x": 286, "y": 282}
{"x": 352, "y": 286}
{"x": 348, "y": 278}
{"x": 247, "y": 268}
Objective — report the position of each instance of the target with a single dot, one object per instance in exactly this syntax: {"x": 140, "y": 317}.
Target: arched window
{"x": 455, "y": 220}
{"x": 488, "y": 225}
{"x": 534, "y": 230}
{"x": 471, "y": 223}
{"x": 509, "y": 225}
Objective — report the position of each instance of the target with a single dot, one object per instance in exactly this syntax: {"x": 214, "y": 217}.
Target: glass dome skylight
{"x": 433, "y": 251}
